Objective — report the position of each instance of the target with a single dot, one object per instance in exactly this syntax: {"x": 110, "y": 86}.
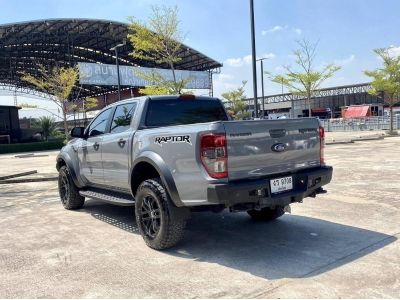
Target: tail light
{"x": 322, "y": 144}
{"x": 214, "y": 155}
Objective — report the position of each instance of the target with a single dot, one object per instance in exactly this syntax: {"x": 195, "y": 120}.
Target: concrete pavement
{"x": 340, "y": 244}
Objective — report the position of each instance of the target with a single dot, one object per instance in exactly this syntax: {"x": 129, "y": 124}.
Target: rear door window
{"x": 180, "y": 112}
{"x": 122, "y": 117}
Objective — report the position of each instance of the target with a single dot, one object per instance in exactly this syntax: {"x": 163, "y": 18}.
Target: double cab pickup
{"x": 171, "y": 155}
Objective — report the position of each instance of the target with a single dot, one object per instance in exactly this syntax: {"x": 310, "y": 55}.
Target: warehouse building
{"x": 9, "y": 124}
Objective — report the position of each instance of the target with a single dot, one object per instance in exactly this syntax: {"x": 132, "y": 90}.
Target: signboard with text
{"x": 102, "y": 74}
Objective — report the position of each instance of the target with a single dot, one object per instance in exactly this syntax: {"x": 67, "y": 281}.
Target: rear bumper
{"x": 258, "y": 192}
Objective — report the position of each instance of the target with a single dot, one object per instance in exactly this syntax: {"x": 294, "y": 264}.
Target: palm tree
{"x": 47, "y": 126}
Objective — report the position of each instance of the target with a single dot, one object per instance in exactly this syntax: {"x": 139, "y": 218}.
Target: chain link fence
{"x": 361, "y": 124}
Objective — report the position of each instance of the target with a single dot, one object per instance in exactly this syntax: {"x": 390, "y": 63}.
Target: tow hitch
{"x": 319, "y": 190}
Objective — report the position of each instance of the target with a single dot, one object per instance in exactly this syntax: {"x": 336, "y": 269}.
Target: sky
{"x": 346, "y": 32}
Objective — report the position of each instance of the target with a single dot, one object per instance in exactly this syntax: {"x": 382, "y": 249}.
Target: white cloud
{"x": 280, "y": 28}
{"x": 234, "y": 62}
{"x": 247, "y": 59}
{"x": 273, "y": 29}
{"x": 268, "y": 55}
{"x": 345, "y": 61}
{"x": 298, "y": 30}
{"x": 224, "y": 82}
{"x": 240, "y": 61}
{"x": 394, "y": 51}
{"x": 223, "y": 77}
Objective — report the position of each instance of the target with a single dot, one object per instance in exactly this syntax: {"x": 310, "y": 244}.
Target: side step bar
{"x": 109, "y": 197}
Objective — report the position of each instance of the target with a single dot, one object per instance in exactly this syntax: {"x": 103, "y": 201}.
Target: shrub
{"x": 30, "y": 147}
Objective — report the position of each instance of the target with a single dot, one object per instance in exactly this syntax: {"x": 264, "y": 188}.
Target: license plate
{"x": 281, "y": 184}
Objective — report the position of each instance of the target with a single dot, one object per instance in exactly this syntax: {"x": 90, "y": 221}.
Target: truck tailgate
{"x": 264, "y": 147}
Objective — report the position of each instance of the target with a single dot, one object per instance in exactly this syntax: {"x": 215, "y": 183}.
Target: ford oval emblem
{"x": 280, "y": 147}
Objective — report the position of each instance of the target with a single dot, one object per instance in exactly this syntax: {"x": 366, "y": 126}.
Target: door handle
{"x": 121, "y": 143}
{"x": 96, "y": 146}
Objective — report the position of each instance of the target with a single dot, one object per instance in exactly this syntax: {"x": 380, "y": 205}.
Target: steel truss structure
{"x": 326, "y": 92}
{"x": 19, "y": 90}
{"x": 65, "y": 42}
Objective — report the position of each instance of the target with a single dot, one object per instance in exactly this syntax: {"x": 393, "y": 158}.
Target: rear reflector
{"x": 322, "y": 144}
{"x": 214, "y": 155}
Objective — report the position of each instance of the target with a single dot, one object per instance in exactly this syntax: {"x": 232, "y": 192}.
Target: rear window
{"x": 180, "y": 112}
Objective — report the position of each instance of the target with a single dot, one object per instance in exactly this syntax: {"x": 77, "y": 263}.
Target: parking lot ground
{"x": 43, "y": 163}
{"x": 341, "y": 244}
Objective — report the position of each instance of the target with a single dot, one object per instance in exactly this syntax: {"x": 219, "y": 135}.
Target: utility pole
{"x": 115, "y": 48}
{"x": 253, "y": 58}
{"x": 15, "y": 99}
{"x": 262, "y": 84}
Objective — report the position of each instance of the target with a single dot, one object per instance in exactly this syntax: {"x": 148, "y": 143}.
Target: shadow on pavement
{"x": 118, "y": 216}
{"x": 290, "y": 247}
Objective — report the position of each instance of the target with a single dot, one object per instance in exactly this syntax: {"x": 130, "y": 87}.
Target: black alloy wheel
{"x": 64, "y": 189}
{"x": 159, "y": 221}
{"x": 69, "y": 192}
{"x": 150, "y": 217}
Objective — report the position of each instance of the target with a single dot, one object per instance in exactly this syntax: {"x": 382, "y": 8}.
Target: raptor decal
{"x": 160, "y": 140}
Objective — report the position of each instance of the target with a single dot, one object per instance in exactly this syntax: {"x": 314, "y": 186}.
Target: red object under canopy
{"x": 356, "y": 112}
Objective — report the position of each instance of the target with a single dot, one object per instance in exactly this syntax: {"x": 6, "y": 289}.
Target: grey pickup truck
{"x": 170, "y": 155}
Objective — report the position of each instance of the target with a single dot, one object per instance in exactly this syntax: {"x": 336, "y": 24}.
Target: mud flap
{"x": 180, "y": 212}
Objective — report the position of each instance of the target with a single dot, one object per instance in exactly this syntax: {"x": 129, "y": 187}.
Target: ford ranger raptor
{"x": 170, "y": 155}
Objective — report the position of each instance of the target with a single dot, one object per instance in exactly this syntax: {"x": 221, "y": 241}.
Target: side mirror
{"x": 78, "y": 132}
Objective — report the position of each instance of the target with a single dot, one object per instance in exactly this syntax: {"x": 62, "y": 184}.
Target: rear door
{"x": 116, "y": 147}
{"x": 264, "y": 147}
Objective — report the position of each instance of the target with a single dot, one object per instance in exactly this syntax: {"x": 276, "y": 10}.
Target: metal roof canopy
{"x": 65, "y": 42}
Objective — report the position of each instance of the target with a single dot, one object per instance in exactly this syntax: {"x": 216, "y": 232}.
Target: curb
{"x": 360, "y": 139}
{"x": 339, "y": 142}
{"x": 368, "y": 139}
{"x": 27, "y": 180}
{"x": 17, "y": 175}
{"x": 392, "y": 136}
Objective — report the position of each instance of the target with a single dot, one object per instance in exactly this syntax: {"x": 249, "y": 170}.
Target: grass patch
{"x": 31, "y": 147}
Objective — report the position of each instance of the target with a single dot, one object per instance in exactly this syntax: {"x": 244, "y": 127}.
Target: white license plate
{"x": 281, "y": 184}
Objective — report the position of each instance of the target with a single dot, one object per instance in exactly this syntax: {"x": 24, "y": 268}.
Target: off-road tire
{"x": 169, "y": 219}
{"x": 69, "y": 192}
{"x": 266, "y": 213}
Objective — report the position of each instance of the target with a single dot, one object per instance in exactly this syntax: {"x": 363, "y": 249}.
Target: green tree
{"x": 305, "y": 79}
{"x": 46, "y": 125}
{"x": 387, "y": 80}
{"x": 91, "y": 103}
{"x": 160, "y": 41}
{"x": 59, "y": 82}
{"x": 160, "y": 85}
{"x": 85, "y": 105}
{"x": 235, "y": 102}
